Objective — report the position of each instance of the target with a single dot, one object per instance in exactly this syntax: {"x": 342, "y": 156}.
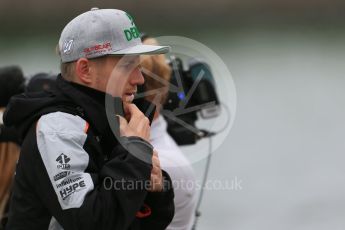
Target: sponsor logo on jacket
{"x": 63, "y": 161}
{"x": 69, "y": 190}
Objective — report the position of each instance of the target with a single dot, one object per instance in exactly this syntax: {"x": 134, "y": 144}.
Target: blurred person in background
{"x": 41, "y": 82}
{"x": 12, "y": 82}
{"x": 171, "y": 157}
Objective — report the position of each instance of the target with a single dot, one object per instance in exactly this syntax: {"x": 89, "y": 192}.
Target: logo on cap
{"x": 132, "y": 32}
{"x": 67, "y": 46}
{"x": 130, "y": 18}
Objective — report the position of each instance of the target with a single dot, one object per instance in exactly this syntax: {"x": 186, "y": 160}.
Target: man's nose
{"x": 137, "y": 77}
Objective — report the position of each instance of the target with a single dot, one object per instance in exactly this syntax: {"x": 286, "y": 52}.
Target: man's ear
{"x": 82, "y": 69}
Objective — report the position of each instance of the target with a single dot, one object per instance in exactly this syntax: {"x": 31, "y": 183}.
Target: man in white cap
{"x": 74, "y": 171}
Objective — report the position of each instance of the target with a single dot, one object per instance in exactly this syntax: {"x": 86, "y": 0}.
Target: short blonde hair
{"x": 66, "y": 69}
{"x": 156, "y": 65}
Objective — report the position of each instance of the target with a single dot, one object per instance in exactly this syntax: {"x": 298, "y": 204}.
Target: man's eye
{"x": 129, "y": 66}
{"x": 126, "y": 66}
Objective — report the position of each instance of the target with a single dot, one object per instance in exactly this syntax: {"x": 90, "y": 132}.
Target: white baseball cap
{"x": 101, "y": 32}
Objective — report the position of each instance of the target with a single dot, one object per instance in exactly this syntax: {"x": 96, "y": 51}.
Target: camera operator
{"x": 11, "y": 83}
{"x": 171, "y": 157}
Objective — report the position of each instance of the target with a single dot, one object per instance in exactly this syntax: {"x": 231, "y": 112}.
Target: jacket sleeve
{"x": 161, "y": 205}
{"x": 80, "y": 196}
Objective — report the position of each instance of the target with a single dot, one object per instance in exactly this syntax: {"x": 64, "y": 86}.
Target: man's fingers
{"x": 155, "y": 159}
{"x": 122, "y": 123}
{"x": 122, "y": 120}
{"x": 156, "y": 173}
{"x": 156, "y": 167}
{"x": 130, "y": 109}
{"x": 155, "y": 153}
{"x": 138, "y": 124}
{"x": 125, "y": 108}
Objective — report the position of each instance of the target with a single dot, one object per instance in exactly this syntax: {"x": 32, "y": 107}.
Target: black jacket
{"x": 72, "y": 172}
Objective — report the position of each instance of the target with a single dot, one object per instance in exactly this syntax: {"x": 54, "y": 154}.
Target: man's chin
{"x": 127, "y": 103}
{"x": 128, "y": 99}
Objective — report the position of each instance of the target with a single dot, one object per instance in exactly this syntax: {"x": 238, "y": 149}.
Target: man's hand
{"x": 135, "y": 124}
{"x": 156, "y": 174}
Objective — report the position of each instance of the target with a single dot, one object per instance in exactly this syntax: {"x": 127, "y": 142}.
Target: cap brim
{"x": 143, "y": 49}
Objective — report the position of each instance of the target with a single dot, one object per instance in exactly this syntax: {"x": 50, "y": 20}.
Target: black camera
{"x": 192, "y": 93}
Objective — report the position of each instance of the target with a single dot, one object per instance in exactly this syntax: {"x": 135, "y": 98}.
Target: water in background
{"x": 287, "y": 143}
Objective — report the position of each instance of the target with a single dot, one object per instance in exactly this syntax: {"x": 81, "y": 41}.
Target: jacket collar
{"x": 91, "y": 104}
